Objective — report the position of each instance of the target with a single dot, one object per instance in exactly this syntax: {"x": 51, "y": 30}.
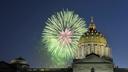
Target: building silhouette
{"x": 93, "y": 55}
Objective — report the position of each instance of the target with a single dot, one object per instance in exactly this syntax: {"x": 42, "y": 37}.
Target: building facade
{"x": 93, "y": 55}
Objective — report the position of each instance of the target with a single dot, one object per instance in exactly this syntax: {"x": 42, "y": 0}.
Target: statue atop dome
{"x": 92, "y": 25}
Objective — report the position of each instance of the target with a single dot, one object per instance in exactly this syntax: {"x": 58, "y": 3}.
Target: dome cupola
{"x": 20, "y": 63}
{"x": 19, "y": 60}
{"x": 94, "y": 42}
{"x": 93, "y": 36}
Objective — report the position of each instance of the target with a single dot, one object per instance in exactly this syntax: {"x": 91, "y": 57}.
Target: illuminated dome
{"x": 93, "y": 36}
{"x": 18, "y": 60}
{"x": 94, "y": 42}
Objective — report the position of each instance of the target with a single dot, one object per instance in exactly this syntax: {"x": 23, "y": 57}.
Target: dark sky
{"x": 22, "y": 21}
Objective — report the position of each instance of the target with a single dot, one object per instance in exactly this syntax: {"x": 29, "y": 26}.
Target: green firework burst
{"x": 61, "y": 35}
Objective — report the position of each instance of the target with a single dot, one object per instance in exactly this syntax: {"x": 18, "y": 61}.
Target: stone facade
{"x": 93, "y": 62}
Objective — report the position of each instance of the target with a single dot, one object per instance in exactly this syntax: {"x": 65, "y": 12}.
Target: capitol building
{"x": 93, "y": 55}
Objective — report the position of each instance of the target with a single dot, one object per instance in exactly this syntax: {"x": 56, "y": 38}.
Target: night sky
{"x": 22, "y": 21}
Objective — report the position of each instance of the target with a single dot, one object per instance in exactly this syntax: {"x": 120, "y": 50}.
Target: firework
{"x": 61, "y": 35}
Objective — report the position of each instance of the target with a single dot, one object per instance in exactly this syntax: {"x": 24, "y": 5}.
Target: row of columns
{"x": 87, "y": 49}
